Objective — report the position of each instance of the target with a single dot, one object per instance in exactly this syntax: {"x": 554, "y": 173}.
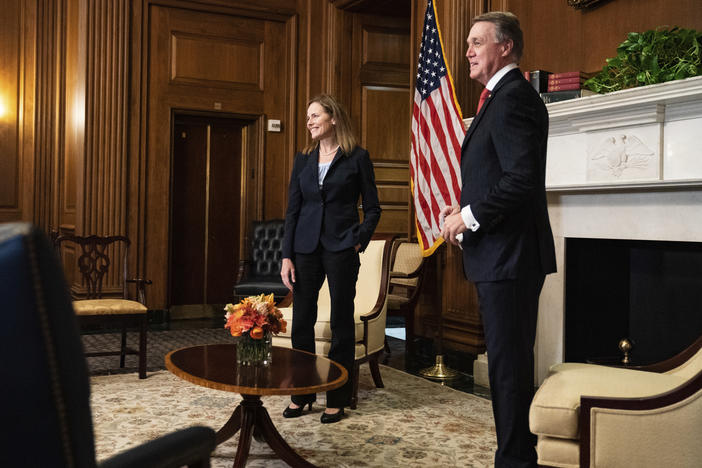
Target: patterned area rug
{"x": 411, "y": 422}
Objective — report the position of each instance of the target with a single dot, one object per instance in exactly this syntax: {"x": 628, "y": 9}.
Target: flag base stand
{"x": 439, "y": 371}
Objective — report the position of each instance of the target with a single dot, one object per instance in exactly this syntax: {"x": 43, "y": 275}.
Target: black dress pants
{"x": 341, "y": 270}
{"x": 509, "y": 310}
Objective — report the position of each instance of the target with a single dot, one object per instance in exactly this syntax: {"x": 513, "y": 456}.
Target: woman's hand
{"x": 287, "y": 273}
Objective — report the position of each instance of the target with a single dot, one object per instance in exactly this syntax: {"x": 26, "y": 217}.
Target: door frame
{"x": 251, "y": 173}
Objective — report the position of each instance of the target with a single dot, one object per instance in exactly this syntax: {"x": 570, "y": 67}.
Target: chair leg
{"x": 354, "y": 392}
{"x": 409, "y": 331}
{"x": 123, "y": 346}
{"x": 142, "y": 346}
{"x": 386, "y": 347}
{"x": 375, "y": 370}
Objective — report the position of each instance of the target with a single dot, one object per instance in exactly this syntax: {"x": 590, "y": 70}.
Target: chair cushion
{"x": 563, "y": 453}
{"x": 320, "y": 347}
{"x": 108, "y": 307}
{"x": 396, "y": 301}
{"x": 556, "y": 405}
{"x": 322, "y": 328}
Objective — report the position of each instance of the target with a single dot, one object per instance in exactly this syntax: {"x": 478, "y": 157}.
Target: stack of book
{"x": 565, "y": 85}
{"x": 538, "y": 79}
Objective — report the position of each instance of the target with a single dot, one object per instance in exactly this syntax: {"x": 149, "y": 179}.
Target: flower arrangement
{"x": 254, "y": 316}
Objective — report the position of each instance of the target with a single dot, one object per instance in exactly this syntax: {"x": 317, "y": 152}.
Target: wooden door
{"x": 205, "y": 205}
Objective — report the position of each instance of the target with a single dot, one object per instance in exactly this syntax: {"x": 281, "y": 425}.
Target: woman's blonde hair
{"x": 344, "y": 135}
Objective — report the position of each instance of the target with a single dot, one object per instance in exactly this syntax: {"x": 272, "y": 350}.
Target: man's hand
{"x": 453, "y": 224}
{"x": 287, "y": 273}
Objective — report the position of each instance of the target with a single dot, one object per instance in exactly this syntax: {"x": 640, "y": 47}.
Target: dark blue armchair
{"x": 45, "y": 392}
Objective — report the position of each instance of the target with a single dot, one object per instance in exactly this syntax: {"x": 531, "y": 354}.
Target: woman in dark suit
{"x": 323, "y": 236}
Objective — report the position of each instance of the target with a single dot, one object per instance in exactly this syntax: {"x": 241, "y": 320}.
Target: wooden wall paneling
{"x": 604, "y": 28}
{"x": 15, "y": 161}
{"x": 47, "y": 103}
{"x": 291, "y": 123}
{"x": 541, "y": 50}
{"x": 27, "y": 107}
{"x": 454, "y": 20}
{"x": 278, "y": 72}
{"x": 71, "y": 178}
{"x": 138, "y": 124}
{"x": 385, "y": 124}
{"x": 338, "y": 71}
{"x": 567, "y": 39}
{"x": 380, "y": 106}
{"x": 101, "y": 173}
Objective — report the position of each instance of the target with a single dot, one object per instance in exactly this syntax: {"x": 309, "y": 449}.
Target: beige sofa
{"x": 599, "y": 416}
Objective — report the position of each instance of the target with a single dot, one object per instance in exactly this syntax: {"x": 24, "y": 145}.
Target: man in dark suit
{"x": 502, "y": 224}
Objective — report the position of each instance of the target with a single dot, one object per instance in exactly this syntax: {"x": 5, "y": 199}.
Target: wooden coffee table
{"x": 292, "y": 372}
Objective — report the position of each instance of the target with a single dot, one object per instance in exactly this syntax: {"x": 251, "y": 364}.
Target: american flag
{"x": 437, "y": 134}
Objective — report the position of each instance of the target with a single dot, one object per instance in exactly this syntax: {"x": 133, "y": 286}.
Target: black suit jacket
{"x": 330, "y": 215}
{"x": 503, "y": 167}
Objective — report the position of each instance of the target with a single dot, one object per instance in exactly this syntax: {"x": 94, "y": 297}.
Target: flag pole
{"x": 439, "y": 371}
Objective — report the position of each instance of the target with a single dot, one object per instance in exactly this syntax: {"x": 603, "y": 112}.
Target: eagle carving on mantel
{"x": 620, "y": 152}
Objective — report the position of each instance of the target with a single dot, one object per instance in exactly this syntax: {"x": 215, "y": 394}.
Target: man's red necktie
{"x": 483, "y": 97}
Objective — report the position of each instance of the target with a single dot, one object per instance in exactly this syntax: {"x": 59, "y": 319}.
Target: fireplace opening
{"x": 647, "y": 291}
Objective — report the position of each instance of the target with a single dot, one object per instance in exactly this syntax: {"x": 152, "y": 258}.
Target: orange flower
{"x": 255, "y": 316}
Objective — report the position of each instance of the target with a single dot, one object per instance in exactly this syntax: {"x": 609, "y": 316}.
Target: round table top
{"x": 292, "y": 372}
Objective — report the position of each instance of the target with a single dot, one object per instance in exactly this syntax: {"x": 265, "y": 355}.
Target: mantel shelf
{"x": 628, "y": 186}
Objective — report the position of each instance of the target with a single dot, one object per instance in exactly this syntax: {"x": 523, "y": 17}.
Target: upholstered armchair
{"x": 94, "y": 258}
{"x": 45, "y": 392}
{"x": 259, "y": 273}
{"x": 597, "y": 416}
{"x": 370, "y": 312}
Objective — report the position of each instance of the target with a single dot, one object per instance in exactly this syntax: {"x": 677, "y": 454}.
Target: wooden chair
{"x": 93, "y": 259}
{"x": 370, "y": 307}
{"x": 406, "y": 279}
{"x": 45, "y": 393}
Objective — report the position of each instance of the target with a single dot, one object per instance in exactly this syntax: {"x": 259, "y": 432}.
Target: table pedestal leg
{"x": 249, "y": 417}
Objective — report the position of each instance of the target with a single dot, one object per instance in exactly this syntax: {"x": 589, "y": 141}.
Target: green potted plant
{"x": 650, "y": 57}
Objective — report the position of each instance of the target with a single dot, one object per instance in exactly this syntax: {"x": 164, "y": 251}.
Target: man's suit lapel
{"x": 511, "y": 75}
{"x": 476, "y": 121}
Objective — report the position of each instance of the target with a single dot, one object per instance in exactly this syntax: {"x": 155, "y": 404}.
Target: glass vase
{"x": 252, "y": 352}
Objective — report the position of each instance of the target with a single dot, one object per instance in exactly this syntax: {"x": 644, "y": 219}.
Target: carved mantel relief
{"x": 621, "y": 156}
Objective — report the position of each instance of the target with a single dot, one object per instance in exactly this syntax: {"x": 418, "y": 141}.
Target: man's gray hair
{"x": 506, "y": 28}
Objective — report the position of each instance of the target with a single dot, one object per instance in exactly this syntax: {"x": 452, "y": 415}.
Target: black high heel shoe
{"x": 296, "y": 412}
{"x": 332, "y": 418}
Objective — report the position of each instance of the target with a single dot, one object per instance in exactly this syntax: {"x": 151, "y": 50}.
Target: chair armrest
{"x": 287, "y": 300}
{"x": 399, "y": 274}
{"x": 645, "y": 405}
{"x": 141, "y": 288}
{"x": 183, "y": 447}
{"x": 243, "y": 271}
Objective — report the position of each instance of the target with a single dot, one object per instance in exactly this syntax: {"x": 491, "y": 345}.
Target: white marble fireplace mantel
{"x": 626, "y": 165}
